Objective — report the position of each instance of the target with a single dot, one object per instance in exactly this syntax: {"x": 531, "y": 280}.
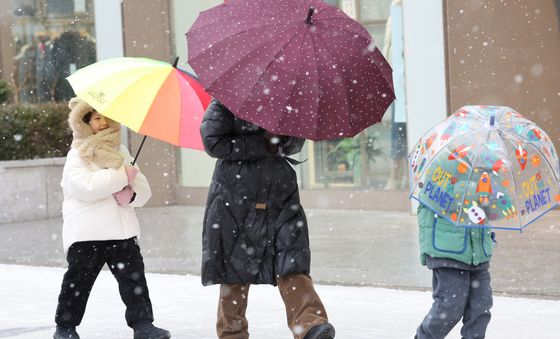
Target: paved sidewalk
{"x": 188, "y": 309}
{"x": 358, "y": 248}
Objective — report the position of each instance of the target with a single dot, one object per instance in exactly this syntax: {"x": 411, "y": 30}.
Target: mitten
{"x": 131, "y": 173}
{"x": 124, "y": 196}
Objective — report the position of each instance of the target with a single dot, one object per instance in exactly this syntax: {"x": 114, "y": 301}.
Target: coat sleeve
{"x": 292, "y": 145}
{"x": 219, "y": 138}
{"x": 140, "y": 186}
{"x": 87, "y": 185}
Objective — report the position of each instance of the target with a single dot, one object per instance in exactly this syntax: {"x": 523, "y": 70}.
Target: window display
{"x": 52, "y": 40}
{"x": 377, "y": 157}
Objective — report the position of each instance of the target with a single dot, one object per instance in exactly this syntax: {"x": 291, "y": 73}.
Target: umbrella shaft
{"x": 138, "y": 152}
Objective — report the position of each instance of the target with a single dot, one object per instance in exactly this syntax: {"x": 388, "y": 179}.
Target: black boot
{"x": 65, "y": 333}
{"x": 149, "y": 331}
{"x": 323, "y": 331}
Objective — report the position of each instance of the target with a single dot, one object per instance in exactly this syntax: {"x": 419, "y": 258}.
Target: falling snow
{"x": 343, "y": 86}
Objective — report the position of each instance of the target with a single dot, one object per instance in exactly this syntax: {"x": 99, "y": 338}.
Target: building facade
{"x": 445, "y": 54}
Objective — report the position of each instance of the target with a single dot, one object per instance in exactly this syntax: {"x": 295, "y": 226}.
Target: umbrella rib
{"x": 420, "y": 175}
{"x": 430, "y": 131}
{"x": 241, "y": 32}
{"x": 316, "y": 101}
{"x": 259, "y": 28}
{"x": 346, "y": 28}
{"x": 368, "y": 40}
{"x": 522, "y": 123}
{"x": 241, "y": 60}
{"x": 520, "y": 223}
{"x": 178, "y": 78}
{"x": 531, "y": 144}
{"x": 265, "y": 68}
{"x": 294, "y": 78}
{"x": 134, "y": 81}
{"x": 516, "y": 199}
{"x": 346, "y": 101}
{"x": 468, "y": 181}
{"x": 326, "y": 8}
{"x": 242, "y": 14}
{"x": 228, "y": 19}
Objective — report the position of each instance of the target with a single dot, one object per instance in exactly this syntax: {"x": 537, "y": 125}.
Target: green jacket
{"x": 441, "y": 239}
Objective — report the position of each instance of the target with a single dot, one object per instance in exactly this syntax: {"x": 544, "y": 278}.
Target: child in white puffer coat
{"x": 100, "y": 226}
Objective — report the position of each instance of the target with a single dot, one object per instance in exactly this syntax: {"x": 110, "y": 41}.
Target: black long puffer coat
{"x": 254, "y": 226}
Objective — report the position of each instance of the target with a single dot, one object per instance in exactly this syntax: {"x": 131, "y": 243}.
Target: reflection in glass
{"x": 374, "y": 10}
{"x": 377, "y": 157}
{"x": 52, "y": 40}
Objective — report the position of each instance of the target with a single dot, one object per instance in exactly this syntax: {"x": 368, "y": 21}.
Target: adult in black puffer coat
{"x": 255, "y": 230}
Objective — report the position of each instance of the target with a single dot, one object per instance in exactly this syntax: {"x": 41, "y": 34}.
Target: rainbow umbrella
{"x": 150, "y": 97}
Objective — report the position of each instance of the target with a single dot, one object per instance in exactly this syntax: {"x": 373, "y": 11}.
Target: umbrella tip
{"x": 309, "y": 15}
{"x": 492, "y": 120}
{"x": 175, "y": 62}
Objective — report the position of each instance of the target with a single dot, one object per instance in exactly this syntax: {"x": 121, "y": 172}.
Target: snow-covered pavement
{"x": 28, "y": 300}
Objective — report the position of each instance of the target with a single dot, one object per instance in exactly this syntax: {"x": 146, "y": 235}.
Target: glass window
{"x": 53, "y": 38}
{"x": 332, "y": 2}
{"x": 349, "y": 162}
{"x": 377, "y": 157}
{"x": 374, "y": 10}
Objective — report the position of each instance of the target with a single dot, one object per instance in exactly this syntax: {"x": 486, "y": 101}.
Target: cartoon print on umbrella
{"x": 500, "y": 171}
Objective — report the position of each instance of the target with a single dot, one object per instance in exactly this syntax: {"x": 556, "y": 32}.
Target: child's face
{"x": 97, "y": 122}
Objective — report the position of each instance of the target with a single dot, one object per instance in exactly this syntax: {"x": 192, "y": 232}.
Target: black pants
{"x": 85, "y": 261}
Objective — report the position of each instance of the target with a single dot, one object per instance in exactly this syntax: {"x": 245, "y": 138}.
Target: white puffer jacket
{"x": 89, "y": 210}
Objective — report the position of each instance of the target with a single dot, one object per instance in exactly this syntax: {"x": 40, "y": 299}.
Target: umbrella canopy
{"x": 148, "y": 96}
{"x": 294, "y": 67}
{"x": 486, "y": 166}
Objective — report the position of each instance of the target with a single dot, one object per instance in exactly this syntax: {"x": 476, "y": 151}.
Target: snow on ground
{"x": 28, "y": 297}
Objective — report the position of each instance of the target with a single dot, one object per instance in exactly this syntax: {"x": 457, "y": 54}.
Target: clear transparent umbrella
{"x": 486, "y": 166}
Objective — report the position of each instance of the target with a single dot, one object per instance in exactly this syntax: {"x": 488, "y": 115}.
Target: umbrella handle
{"x": 138, "y": 152}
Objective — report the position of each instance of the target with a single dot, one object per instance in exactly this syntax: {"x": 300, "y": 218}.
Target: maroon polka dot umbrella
{"x": 294, "y": 67}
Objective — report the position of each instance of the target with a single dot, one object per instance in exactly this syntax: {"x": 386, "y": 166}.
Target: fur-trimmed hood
{"x": 100, "y": 148}
{"x": 78, "y": 109}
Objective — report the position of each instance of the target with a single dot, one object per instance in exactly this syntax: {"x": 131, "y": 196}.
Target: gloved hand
{"x": 124, "y": 196}
{"x": 131, "y": 173}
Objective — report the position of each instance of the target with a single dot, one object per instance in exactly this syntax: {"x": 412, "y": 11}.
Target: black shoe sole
{"x": 162, "y": 336}
{"x": 326, "y": 333}
{"x": 329, "y": 334}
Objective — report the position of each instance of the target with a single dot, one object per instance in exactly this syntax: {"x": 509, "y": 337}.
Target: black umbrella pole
{"x": 138, "y": 152}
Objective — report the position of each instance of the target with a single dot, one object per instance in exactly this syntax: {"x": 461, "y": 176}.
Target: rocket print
{"x": 484, "y": 189}
{"x": 498, "y": 166}
{"x": 521, "y": 155}
{"x": 459, "y": 152}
